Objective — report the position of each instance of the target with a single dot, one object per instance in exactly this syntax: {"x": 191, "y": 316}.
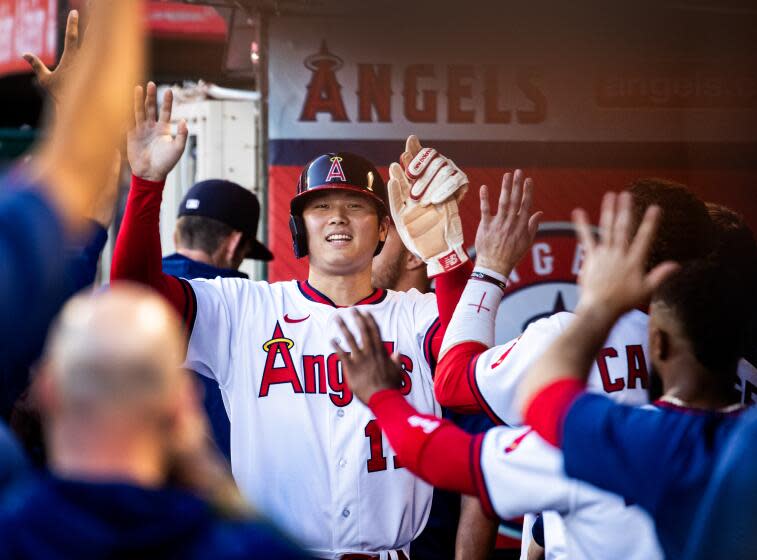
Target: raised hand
{"x": 367, "y": 367}
{"x": 614, "y": 276}
{"x": 423, "y": 196}
{"x": 503, "y": 238}
{"x": 152, "y": 149}
{"x": 75, "y": 157}
{"x": 52, "y": 81}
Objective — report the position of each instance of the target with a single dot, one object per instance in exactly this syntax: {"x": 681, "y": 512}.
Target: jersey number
{"x": 377, "y": 462}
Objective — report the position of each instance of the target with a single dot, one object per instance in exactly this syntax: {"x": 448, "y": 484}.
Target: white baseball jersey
{"x": 621, "y": 369}
{"x": 523, "y": 473}
{"x": 304, "y": 450}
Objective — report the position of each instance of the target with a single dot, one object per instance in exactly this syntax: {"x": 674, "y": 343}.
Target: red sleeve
{"x": 433, "y": 449}
{"x": 452, "y": 379}
{"x": 449, "y": 290}
{"x": 137, "y": 256}
{"x": 547, "y": 409}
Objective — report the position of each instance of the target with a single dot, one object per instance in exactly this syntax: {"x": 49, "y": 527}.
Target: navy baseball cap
{"x": 230, "y": 204}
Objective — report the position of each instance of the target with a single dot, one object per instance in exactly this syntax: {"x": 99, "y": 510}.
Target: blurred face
{"x": 343, "y": 230}
{"x": 389, "y": 264}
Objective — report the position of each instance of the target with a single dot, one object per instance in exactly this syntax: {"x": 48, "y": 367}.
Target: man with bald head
{"x": 132, "y": 473}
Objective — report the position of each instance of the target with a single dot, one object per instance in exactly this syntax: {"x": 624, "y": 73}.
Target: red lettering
{"x": 427, "y": 111}
{"x": 309, "y": 364}
{"x": 279, "y": 346}
{"x": 374, "y": 92}
{"x": 342, "y": 395}
{"x": 492, "y": 113}
{"x": 459, "y": 88}
{"x": 610, "y": 386}
{"x": 406, "y": 365}
{"x": 524, "y": 78}
{"x": 637, "y": 366}
{"x": 324, "y": 91}
{"x": 377, "y": 461}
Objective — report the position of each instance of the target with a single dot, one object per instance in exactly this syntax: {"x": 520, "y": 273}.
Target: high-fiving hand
{"x": 152, "y": 149}
{"x": 52, "y": 80}
{"x": 503, "y": 238}
{"x": 367, "y": 367}
{"x": 614, "y": 276}
{"x": 423, "y": 197}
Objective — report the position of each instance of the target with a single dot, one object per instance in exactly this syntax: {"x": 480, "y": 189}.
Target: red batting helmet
{"x": 342, "y": 171}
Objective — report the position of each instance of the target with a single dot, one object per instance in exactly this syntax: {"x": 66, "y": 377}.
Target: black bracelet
{"x": 486, "y": 278}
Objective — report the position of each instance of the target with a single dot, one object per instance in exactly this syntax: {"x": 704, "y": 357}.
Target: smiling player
{"x": 303, "y": 450}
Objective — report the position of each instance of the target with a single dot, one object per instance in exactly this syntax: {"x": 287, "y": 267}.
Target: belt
{"x": 357, "y": 556}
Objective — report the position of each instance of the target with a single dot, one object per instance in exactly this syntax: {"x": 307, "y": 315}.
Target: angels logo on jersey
{"x": 320, "y": 374}
{"x": 543, "y": 283}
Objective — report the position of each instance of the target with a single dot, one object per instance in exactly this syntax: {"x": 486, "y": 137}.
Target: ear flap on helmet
{"x": 299, "y": 236}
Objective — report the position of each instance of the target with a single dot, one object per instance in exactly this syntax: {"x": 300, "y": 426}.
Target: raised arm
{"x": 153, "y": 151}
{"x": 501, "y": 241}
{"x": 75, "y": 159}
{"x": 56, "y": 189}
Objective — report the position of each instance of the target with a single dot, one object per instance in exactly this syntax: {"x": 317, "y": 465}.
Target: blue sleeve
{"x": 32, "y": 255}
{"x": 81, "y": 262}
{"x": 640, "y": 454}
{"x": 13, "y": 463}
{"x": 729, "y": 506}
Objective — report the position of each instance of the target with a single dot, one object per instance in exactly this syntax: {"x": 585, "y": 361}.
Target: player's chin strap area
{"x": 386, "y": 555}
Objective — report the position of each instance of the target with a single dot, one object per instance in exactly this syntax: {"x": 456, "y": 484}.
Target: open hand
{"x": 614, "y": 278}
{"x": 368, "y": 368}
{"x": 503, "y": 238}
{"x": 152, "y": 149}
{"x": 52, "y": 80}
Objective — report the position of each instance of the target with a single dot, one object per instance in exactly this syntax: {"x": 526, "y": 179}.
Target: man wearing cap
{"x": 215, "y": 232}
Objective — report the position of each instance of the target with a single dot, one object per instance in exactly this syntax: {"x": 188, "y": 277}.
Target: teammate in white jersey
{"x": 303, "y": 450}
{"x": 476, "y": 375}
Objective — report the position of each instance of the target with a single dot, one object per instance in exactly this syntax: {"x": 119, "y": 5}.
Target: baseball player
{"x": 660, "y": 459}
{"x": 522, "y": 473}
{"x": 475, "y": 375}
{"x": 303, "y": 450}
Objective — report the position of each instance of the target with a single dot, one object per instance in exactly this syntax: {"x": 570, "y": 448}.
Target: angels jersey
{"x": 621, "y": 369}
{"x": 304, "y": 450}
{"x": 523, "y": 473}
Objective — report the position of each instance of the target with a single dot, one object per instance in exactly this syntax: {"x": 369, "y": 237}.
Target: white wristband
{"x": 475, "y": 314}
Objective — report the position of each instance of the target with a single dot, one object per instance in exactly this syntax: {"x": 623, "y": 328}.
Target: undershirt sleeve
{"x": 451, "y": 383}
{"x": 137, "y": 254}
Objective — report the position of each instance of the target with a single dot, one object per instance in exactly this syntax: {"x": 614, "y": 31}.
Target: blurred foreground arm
{"x": 68, "y": 170}
{"x": 75, "y": 159}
